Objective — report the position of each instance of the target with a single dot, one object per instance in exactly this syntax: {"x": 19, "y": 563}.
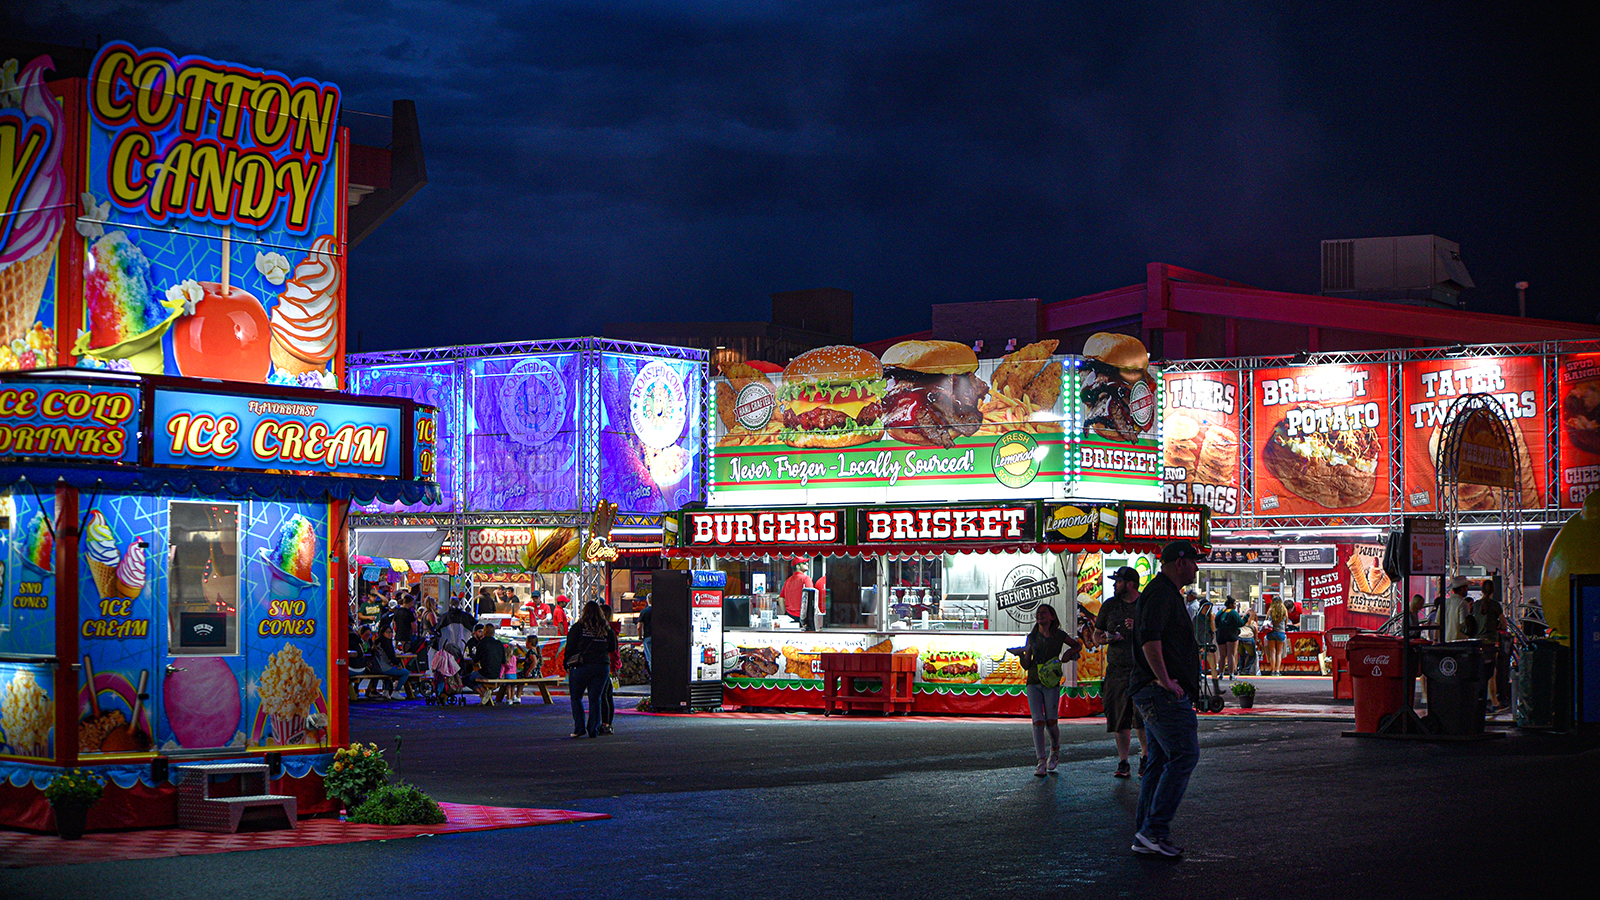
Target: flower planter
{"x": 70, "y": 819}
{"x": 1247, "y": 701}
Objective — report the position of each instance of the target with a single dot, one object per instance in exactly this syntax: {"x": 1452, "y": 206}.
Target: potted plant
{"x": 356, "y": 773}
{"x": 1246, "y": 692}
{"x": 71, "y": 794}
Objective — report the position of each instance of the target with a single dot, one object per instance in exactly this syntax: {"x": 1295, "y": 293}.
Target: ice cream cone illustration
{"x": 29, "y": 252}
{"x": 305, "y": 323}
{"x": 103, "y": 555}
{"x": 131, "y": 572}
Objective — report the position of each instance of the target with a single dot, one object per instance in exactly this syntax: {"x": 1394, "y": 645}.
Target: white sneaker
{"x": 1041, "y": 770}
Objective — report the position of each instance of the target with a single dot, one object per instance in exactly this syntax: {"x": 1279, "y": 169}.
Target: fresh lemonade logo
{"x": 1016, "y": 459}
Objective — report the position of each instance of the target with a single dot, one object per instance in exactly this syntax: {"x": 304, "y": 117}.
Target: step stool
{"x": 198, "y": 810}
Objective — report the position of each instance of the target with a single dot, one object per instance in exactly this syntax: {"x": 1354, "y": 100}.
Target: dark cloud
{"x": 592, "y": 162}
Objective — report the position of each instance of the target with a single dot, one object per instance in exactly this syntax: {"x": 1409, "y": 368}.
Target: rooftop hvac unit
{"x": 1420, "y": 269}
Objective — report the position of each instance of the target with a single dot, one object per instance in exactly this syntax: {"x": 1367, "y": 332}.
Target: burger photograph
{"x": 830, "y": 398}
{"x": 934, "y": 392}
{"x": 1118, "y": 394}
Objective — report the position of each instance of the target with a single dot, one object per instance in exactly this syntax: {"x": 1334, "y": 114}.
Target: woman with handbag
{"x": 1047, "y": 649}
{"x": 588, "y": 660}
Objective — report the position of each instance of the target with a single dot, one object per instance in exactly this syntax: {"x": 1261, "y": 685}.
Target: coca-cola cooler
{"x": 686, "y": 639}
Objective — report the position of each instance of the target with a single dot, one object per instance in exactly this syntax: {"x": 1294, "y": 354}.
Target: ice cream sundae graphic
{"x": 28, "y": 253}
{"x": 305, "y": 323}
{"x": 290, "y": 557}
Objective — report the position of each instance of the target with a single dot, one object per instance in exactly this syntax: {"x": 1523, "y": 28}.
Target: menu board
{"x": 1200, "y": 440}
{"x": 1578, "y": 389}
{"x": 1428, "y": 389}
{"x": 1321, "y": 439}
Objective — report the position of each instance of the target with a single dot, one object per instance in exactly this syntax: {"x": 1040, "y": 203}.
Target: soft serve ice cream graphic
{"x": 305, "y": 323}
{"x": 28, "y": 252}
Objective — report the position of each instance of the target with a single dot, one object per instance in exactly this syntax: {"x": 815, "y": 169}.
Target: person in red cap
{"x": 793, "y": 599}
{"x": 1166, "y": 678}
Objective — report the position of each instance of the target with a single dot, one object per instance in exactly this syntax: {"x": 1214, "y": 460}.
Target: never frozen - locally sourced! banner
{"x": 210, "y": 221}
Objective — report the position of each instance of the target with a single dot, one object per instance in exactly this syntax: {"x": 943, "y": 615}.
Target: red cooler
{"x": 1339, "y": 660}
{"x": 1375, "y": 670}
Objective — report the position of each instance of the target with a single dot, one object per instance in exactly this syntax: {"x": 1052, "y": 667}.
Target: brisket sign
{"x": 757, "y": 527}
{"x": 1012, "y": 523}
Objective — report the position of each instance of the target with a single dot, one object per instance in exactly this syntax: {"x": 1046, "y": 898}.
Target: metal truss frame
{"x": 1509, "y": 515}
{"x": 1549, "y": 513}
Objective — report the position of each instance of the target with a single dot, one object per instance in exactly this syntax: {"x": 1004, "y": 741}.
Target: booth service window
{"x": 203, "y": 579}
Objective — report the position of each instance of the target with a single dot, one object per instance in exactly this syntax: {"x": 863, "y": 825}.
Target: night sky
{"x": 593, "y": 162}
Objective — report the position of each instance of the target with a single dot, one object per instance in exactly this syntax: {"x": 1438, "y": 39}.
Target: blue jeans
{"x": 646, "y": 644}
{"x": 593, "y": 680}
{"x": 1173, "y": 738}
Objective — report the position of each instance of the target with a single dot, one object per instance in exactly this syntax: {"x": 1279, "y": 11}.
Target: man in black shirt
{"x": 405, "y": 622}
{"x": 1166, "y": 678}
{"x": 1113, "y": 627}
{"x": 644, "y": 630}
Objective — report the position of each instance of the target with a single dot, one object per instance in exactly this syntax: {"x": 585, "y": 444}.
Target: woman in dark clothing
{"x": 385, "y": 661}
{"x": 1047, "y": 649}
{"x": 588, "y": 660}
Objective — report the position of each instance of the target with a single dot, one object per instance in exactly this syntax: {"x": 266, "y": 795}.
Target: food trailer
{"x": 926, "y": 502}
{"x": 174, "y": 579}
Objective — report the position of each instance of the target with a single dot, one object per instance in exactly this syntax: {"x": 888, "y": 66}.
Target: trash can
{"x": 1339, "y": 660}
{"x": 1544, "y": 686}
{"x": 1376, "y": 683}
{"x": 1454, "y": 670}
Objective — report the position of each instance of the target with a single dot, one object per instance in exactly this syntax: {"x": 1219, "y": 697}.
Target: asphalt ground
{"x": 798, "y": 805}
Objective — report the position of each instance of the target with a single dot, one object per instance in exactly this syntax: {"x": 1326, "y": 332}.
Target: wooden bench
{"x": 200, "y": 810}
{"x": 371, "y": 678}
{"x": 490, "y": 688}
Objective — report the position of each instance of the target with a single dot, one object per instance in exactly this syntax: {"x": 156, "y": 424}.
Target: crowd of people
{"x": 400, "y": 634}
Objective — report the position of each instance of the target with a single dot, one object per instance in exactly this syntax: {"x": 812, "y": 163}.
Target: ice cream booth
{"x": 174, "y": 572}
{"x": 925, "y": 503}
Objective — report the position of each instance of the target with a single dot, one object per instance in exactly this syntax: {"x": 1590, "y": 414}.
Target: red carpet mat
{"x": 18, "y": 850}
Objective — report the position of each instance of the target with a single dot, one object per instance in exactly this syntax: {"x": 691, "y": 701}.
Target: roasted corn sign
{"x": 521, "y": 549}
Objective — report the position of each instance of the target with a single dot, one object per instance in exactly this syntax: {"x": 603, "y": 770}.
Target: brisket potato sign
{"x": 1428, "y": 388}
{"x": 1321, "y": 439}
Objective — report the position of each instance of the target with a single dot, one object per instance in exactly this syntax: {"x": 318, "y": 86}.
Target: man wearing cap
{"x": 1113, "y": 627}
{"x": 1455, "y": 608}
{"x": 1166, "y": 678}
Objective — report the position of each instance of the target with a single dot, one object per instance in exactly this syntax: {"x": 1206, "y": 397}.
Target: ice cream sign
{"x": 247, "y": 432}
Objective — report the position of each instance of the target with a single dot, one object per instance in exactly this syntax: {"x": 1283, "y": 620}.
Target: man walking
{"x": 1166, "y": 678}
{"x": 1113, "y": 627}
